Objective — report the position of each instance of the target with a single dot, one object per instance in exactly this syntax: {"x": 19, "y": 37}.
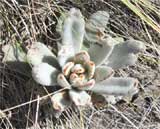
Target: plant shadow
{"x": 20, "y": 90}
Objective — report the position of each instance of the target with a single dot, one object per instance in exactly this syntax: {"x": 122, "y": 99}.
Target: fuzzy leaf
{"x": 62, "y": 81}
{"x": 102, "y": 73}
{"x": 90, "y": 67}
{"x": 78, "y": 68}
{"x": 100, "y": 52}
{"x": 86, "y": 85}
{"x": 67, "y": 68}
{"x": 123, "y": 54}
{"x": 73, "y": 30}
{"x": 61, "y": 101}
{"x": 94, "y": 35}
{"x": 39, "y": 53}
{"x": 82, "y": 57}
{"x": 65, "y": 52}
{"x": 135, "y": 46}
{"x": 99, "y": 19}
{"x": 96, "y": 25}
{"x": 73, "y": 78}
{"x": 80, "y": 98}
{"x": 45, "y": 74}
{"x": 117, "y": 86}
{"x": 80, "y": 81}
{"x": 15, "y": 58}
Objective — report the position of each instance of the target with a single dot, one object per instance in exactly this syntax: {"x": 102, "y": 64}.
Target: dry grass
{"x": 21, "y": 101}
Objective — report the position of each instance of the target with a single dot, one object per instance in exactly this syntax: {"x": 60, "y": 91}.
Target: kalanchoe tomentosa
{"x": 77, "y": 70}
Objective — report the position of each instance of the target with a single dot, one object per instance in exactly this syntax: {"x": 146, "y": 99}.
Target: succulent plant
{"x": 78, "y": 69}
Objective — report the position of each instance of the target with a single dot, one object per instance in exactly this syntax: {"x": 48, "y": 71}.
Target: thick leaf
{"x": 80, "y": 98}
{"x": 61, "y": 101}
{"x": 122, "y": 61}
{"x": 135, "y": 46}
{"x": 78, "y": 68}
{"x": 86, "y": 85}
{"x": 100, "y": 52}
{"x": 94, "y": 35}
{"x": 65, "y": 53}
{"x": 96, "y": 25}
{"x": 117, "y": 86}
{"x": 77, "y": 80}
{"x": 73, "y": 30}
{"x": 39, "y": 53}
{"x": 123, "y": 54}
{"x": 67, "y": 68}
{"x": 90, "y": 67}
{"x": 62, "y": 81}
{"x": 80, "y": 81}
{"x": 82, "y": 57}
{"x": 45, "y": 74}
{"x": 99, "y": 19}
{"x": 15, "y": 58}
{"x": 73, "y": 78}
{"x": 102, "y": 73}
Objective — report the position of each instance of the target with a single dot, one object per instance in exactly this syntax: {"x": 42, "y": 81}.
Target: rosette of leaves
{"x": 78, "y": 70}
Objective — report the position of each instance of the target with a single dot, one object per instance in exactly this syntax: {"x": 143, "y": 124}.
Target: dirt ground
{"x": 39, "y": 17}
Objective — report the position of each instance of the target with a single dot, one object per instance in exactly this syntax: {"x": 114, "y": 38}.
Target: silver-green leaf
{"x": 96, "y": 25}
{"x": 73, "y": 30}
{"x": 124, "y": 54}
{"x": 62, "y": 81}
{"x": 61, "y": 101}
{"x": 80, "y": 98}
{"x": 45, "y": 74}
{"x": 102, "y": 73}
{"x": 117, "y": 86}
{"x": 100, "y": 52}
{"x": 39, "y": 53}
